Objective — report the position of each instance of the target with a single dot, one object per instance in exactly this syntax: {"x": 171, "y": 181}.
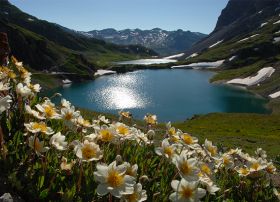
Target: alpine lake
{"x": 171, "y": 94}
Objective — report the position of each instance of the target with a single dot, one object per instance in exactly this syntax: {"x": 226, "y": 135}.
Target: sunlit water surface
{"x": 173, "y": 95}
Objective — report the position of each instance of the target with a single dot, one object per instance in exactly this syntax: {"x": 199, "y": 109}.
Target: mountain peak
{"x": 239, "y": 9}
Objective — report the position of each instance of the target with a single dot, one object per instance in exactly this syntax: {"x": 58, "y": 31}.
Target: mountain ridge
{"x": 162, "y": 41}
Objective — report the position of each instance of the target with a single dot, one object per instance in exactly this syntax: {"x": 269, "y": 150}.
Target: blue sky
{"x": 86, "y": 15}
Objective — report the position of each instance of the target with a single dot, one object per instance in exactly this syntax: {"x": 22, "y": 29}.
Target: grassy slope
{"x": 248, "y": 131}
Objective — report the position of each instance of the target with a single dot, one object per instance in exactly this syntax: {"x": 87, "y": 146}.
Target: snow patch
{"x": 192, "y": 55}
{"x": 200, "y": 65}
{"x": 215, "y": 44}
{"x": 232, "y": 58}
{"x": 276, "y": 39}
{"x": 275, "y": 95}
{"x": 262, "y": 75}
{"x": 66, "y": 81}
{"x": 101, "y": 72}
{"x": 245, "y": 39}
{"x": 277, "y": 32}
{"x": 263, "y": 24}
{"x": 174, "y": 56}
{"x": 277, "y": 22}
{"x": 260, "y": 12}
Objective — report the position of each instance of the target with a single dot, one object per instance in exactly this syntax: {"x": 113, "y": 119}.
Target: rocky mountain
{"x": 247, "y": 40}
{"x": 47, "y": 46}
{"x": 238, "y": 18}
{"x": 162, "y": 41}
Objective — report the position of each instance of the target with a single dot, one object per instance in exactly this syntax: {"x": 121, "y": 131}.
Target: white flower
{"x": 80, "y": 121}
{"x": 35, "y": 88}
{"x": 103, "y": 119}
{"x": 256, "y": 164}
{"x": 187, "y": 167}
{"x": 210, "y": 186}
{"x": 58, "y": 141}
{"x": 188, "y": 139}
{"x": 211, "y": 149}
{"x": 186, "y": 191}
{"x": 65, "y": 103}
{"x": 33, "y": 113}
{"x": 137, "y": 196}
{"x": 150, "y": 119}
{"x": 66, "y": 166}
{"x": 276, "y": 193}
{"x": 113, "y": 180}
{"x": 88, "y": 151}
{"x": 69, "y": 113}
{"x": 261, "y": 153}
{"x": 270, "y": 168}
{"x": 5, "y": 103}
{"x": 48, "y": 109}
{"x": 166, "y": 149}
{"x": 243, "y": 171}
{"x": 24, "y": 91}
{"x": 123, "y": 131}
{"x": 131, "y": 169}
{"x": 226, "y": 161}
{"x": 35, "y": 144}
{"x": 4, "y": 86}
{"x": 35, "y": 127}
{"x": 106, "y": 134}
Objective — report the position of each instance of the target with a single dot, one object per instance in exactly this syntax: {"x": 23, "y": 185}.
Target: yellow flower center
{"x": 115, "y": 179}
{"x": 187, "y": 138}
{"x": 168, "y": 151}
{"x": 150, "y": 120}
{"x": 185, "y": 168}
{"x": 205, "y": 169}
{"x": 132, "y": 197}
{"x": 172, "y": 131}
{"x": 123, "y": 130}
{"x": 270, "y": 169}
{"x": 41, "y": 126}
{"x": 186, "y": 192}
{"x": 129, "y": 171}
{"x": 226, "y": 160}
{"x": 11, "y": 75}
{"x": 255, "y": 166}
{"x": 68, "y": 116}
{"x": 244, "y": 171}
{"x": 88, "y": 151}
{"x": 86, "y": 123}
{"x": 212, "y": 150}
{"x": 49, "y": 111}
{"x": 106, "y": 135}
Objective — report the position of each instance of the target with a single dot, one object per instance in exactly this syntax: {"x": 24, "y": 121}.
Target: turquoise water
{"x": 173, "y": 95}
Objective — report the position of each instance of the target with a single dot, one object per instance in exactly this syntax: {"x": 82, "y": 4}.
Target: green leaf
{"x": 41, "y": 181}
{"x": 44, "y": 194}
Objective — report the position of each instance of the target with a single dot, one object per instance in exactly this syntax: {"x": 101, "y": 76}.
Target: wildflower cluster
{"x": 51, "y": 151}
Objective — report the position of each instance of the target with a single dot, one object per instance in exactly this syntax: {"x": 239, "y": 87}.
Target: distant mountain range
{"x": 47, "y": 46}
{"x": 162, "y": 41}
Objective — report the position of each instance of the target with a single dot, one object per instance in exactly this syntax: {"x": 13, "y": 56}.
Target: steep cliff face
{"x": 239, "y": 9}
{"x": 239, "y": 17}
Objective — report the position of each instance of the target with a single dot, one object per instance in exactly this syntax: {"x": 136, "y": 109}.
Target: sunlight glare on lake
{"x": 122, "y": 93}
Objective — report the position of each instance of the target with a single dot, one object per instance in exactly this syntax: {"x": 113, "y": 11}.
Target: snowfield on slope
{"x": 262, "y": 75}
{"x": 200, "y": 65}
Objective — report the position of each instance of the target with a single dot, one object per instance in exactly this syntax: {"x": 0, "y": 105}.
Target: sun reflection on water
{"x": 122, "y": 92}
